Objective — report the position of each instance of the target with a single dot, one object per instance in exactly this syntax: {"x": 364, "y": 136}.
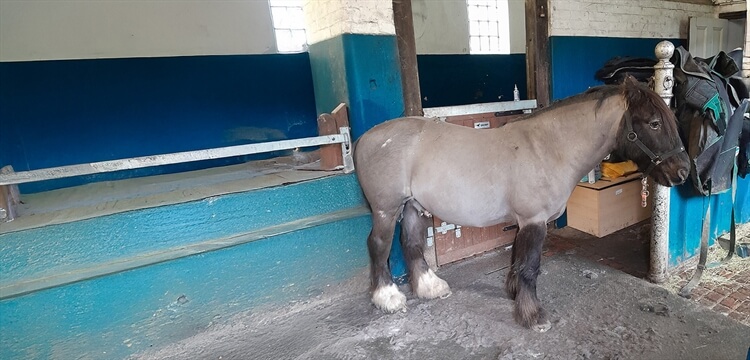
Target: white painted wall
{"x": 441, "y": 27}
{"x": 326, "y": 19}
{"x": 624, "y": 18}
{"x": 84, "y": 29}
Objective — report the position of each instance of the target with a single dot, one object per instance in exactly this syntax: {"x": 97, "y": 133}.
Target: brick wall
{"x": 328, "y": 18}
{"x": 624, "y": 18}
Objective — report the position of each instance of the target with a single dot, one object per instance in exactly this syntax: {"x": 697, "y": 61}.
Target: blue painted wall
{"x": 447, "y": 80}
{"x": 575, "y": 59}
{"x": 687, "y": 211}
{"x": 56, "y": 113}
{"x": 362, "y": 71}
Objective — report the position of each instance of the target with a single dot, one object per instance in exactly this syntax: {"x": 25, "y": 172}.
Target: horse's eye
{"x": 654, "y": 124}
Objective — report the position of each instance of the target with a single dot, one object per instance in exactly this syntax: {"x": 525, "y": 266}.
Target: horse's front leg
{"x": 521, "y": 281}
{"x": 385, "y": 294}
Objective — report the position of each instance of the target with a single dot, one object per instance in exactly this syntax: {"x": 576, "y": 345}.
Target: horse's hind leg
{"x": 511, "y": 280}
{"x": 424, "y": 283}
{"x": 527, "y": 250}
{"x": 385, "y": 294}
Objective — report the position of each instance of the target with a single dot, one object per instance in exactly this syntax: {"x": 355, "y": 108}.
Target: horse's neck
{"x": 587, "y": 135}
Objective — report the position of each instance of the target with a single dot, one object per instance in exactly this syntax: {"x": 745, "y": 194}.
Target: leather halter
{"x": 656, "y": 159}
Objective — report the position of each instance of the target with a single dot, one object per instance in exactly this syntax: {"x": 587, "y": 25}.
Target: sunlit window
{"x": 489, "y": 31}
{"x": 288, "y": 25}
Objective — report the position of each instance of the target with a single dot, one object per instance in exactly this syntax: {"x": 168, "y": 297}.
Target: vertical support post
{"x": 403, "y": 21}
{"x": 659, "y": 257}
{"x": 537, "y": 51}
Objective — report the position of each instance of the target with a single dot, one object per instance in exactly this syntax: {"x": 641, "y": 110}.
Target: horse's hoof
{"x": 542, "y": 327}
{"x": 430, "y": 286}
{"x": 389, "y": 299}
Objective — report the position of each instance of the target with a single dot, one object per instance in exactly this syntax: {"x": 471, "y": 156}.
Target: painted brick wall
{"x": 80, "y": 29}
{"x": 326, "y": 19}
{"x": 624, "y": 18}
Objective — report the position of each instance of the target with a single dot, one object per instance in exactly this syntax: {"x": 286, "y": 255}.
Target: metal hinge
{"x": 443, "y": 229}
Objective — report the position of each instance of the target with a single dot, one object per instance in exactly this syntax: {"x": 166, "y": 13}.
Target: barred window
{"x": 288, "y": 25}
{"x": 489, "y": 31}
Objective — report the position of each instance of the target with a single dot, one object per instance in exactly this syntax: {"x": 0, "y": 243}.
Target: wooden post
{"x": 331, "y": 157}
{"x": 537, "y": 51}
{"x": 407, "y": 53}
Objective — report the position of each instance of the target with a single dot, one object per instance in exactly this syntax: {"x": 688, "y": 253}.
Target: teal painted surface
{"x": 374, "y": 80}
{"x": 328, "y": 74}
{"x": 35, "y": 253}
{"x": 687, "y": 211}
{"x": 114, "y": 316}
{"x": 362, "y": 71}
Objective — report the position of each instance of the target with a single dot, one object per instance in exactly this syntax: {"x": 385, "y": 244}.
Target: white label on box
{"x": 618, "y": 192}
{"x": 482, "y": 125}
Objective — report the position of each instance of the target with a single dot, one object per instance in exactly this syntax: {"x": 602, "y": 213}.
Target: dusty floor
{"x": 724, "y": 289}
{"x": 598, "y": 312}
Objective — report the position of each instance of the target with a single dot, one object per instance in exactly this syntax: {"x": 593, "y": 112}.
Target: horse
{"x": 411, "y": 168}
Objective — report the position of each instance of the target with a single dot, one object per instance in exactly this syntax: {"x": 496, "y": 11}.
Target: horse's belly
{"x": 466, "y": 210}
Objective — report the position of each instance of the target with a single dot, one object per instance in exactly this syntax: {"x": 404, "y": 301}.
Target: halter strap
{"x": 656, "y": 159}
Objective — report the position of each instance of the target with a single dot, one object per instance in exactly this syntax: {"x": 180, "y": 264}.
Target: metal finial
{"x": 664, "y": 50}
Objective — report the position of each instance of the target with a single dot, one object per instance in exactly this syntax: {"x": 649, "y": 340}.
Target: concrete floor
{"x": 724, "y": 289}
{"x": 597, "y": 312}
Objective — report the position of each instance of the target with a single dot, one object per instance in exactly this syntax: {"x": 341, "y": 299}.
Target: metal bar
{"x": 165, "y": 159}
{"x": 480, "y": 108}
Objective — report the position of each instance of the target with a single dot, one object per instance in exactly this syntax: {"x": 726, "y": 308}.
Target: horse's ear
{"x": 631, "y": 80}
{"x": 633, "y": 90}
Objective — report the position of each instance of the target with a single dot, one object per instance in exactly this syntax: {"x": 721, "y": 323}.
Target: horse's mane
{"x": 599, "y": 93}
{"x": 638, "y": 99}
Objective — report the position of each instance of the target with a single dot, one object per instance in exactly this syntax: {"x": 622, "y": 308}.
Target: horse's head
{"x": 648, "y": 136}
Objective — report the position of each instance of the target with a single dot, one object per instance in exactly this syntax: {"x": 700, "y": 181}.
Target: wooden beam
{"x": 537, "y": 51}
{"x": 733, "y": 15}
{"x": 698, "y": 2}
{"x": 407, "y": 53}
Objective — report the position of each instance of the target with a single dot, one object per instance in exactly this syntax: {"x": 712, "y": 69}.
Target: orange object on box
{"x": 615, "y": 170}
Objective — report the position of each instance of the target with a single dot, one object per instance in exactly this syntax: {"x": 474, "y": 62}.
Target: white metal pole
{"x": 663, "y": 83}
{"x": 176, "y": 158}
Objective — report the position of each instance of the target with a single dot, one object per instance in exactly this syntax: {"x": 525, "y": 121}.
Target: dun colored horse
{"x": 522, "y": 172}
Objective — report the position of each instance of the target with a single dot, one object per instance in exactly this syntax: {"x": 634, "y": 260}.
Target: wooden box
{"x": 608, "y": 205}
{"x": 455, "y": 242}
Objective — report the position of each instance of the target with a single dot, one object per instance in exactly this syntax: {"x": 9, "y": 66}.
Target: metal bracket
{"x": 430, "y": 236}
{"x": 346, "y": 150}
{"x": 9, "y": 198}
{"x": 445, "y": 227}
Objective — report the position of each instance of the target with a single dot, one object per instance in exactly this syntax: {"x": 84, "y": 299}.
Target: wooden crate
{"x": 607, "y": 205}
{"x": 453, "y": 242}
